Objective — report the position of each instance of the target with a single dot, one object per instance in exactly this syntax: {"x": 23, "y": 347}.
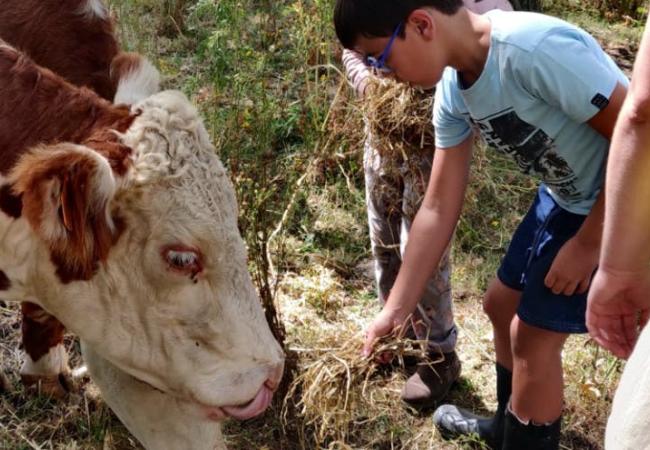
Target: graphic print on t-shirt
{"x": 531, "y": 148}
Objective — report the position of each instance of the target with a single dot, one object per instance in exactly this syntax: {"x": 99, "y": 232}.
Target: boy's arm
{"x": 620, "y": 297}
{"x": 430, "y": 234}
{"x": 576, "y": 261}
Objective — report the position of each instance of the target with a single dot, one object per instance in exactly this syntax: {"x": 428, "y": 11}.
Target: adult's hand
{"x": 618, "y": 306}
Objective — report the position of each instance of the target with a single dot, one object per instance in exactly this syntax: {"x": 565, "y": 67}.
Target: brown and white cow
{"x": 72, "y": 38}
{"x": 121, "y": 223}
{"x": 79, "y": 46}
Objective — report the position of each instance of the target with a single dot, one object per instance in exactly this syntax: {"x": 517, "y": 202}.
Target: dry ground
{"x": 321, "y": 310}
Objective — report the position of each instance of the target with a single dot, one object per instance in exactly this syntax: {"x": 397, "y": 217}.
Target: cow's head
{"x": 131, "y": 241}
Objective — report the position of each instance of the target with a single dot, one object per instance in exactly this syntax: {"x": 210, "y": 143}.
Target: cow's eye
{"x": 183, "y": 260}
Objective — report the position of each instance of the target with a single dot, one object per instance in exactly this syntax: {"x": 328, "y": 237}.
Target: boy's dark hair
{"x": 378, "y": 18}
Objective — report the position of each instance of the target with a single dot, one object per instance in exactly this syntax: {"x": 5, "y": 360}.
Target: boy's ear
{"x": 423, "y": 22}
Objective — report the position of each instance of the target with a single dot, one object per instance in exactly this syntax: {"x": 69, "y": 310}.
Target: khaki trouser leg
{"x": 393, "y": 196}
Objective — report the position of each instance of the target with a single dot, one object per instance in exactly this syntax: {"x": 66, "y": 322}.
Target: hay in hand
{"x": 399, "y": 117}
{"x": 338, "y": 388}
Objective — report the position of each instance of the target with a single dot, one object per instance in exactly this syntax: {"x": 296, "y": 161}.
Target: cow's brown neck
{"x": 78, "y": 47}
{"x": 38, "y": 107}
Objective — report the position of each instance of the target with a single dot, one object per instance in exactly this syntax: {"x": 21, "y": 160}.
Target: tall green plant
{"x": 272, "y": 87}
{"x": 632, "y": 8}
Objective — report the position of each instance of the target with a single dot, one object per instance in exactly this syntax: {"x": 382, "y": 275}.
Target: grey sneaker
{"x": 431, "y": 382}
{"x": 453, "y": 422}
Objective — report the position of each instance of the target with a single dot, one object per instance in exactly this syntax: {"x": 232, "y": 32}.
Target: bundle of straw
{"x": 338, "y": 387}
{"x": 398, "y": 120}
{"x": 398, "y": 116}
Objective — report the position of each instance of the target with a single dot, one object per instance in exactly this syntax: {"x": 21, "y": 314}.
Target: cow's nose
{"x": 275, "y": 376}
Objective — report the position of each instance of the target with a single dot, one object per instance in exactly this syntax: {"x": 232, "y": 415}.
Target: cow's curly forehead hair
{"x": 378, "y": 18}
{"x": 172, "y": 147}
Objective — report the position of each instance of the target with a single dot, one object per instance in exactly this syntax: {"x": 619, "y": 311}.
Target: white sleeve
{"x": 356, "y": 70}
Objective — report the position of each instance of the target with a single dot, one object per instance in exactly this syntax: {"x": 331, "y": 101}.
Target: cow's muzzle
{"x": 254, "y": 407}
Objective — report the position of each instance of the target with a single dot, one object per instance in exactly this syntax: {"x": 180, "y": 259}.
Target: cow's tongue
{"x": 256, "y": 406}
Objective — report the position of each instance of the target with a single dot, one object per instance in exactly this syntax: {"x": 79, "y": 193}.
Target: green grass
{"x": 266, "y": 78}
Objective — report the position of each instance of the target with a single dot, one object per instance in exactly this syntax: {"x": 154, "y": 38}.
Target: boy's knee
{"x": 532, "y": 344}
{"x": 500, "y": 303}
{"x": 491, "y": 306}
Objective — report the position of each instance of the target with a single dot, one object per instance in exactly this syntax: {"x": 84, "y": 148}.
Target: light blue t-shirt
{"x": 543, "y": 80}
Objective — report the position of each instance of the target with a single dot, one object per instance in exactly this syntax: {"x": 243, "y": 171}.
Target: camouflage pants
{"x": 394, "y": 192}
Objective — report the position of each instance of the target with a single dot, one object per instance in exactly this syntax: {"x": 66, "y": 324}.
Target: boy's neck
{"x": 468, "y": 40}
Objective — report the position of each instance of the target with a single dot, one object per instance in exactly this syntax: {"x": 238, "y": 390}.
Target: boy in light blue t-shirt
{"x": 544, "y": 92}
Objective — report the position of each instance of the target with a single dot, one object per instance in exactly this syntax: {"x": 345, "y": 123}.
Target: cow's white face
{"x": 172, "y": 303}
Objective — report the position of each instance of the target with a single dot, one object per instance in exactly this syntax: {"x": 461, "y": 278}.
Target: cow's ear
{"x": 66, "y": 191}
{"x": 134, "y": 77}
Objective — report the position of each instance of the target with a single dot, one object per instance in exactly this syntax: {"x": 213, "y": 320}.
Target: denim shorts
{"x": 539, "y": 237}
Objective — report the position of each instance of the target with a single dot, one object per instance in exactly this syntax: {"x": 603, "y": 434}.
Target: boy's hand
{"x": 385, "y": 322}
{"x": 618, "y": 306}
{"x": 572, "y": 268}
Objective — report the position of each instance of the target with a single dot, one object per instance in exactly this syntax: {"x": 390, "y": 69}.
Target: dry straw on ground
{"x": 338, "y": 388}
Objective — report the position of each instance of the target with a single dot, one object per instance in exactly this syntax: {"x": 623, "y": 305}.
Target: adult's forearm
{"x": 626, "y": 245}
{"x": 626, "y": 237}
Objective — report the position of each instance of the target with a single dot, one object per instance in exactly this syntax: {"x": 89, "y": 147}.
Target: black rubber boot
{"x": 454, "y": 422}
{"x": 518, "y": 436}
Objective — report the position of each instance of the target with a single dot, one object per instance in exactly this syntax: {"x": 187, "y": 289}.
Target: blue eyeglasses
{"x": 379, "y": 63}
